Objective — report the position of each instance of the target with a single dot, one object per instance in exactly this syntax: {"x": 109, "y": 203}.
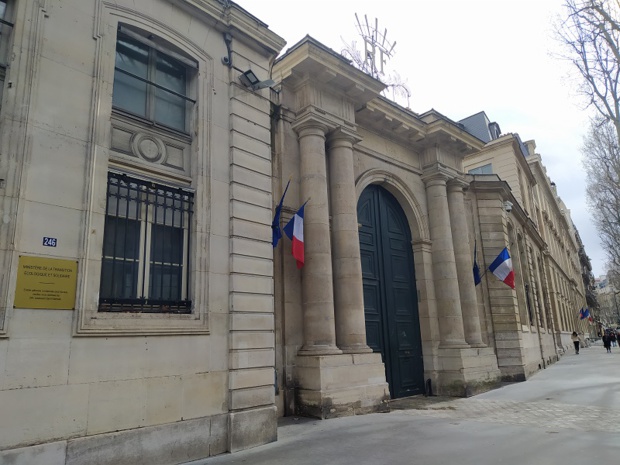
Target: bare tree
{"x": 396, "y": 88}
{"x": 602, "y": 164}
{"x": 590, "y": 33}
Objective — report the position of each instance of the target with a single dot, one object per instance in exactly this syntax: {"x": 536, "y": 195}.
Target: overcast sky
{"x": 461, "y": 57}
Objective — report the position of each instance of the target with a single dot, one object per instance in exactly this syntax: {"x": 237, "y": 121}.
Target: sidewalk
{"x": 567, "y": 414}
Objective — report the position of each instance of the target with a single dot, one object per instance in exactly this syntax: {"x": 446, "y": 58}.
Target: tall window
{"x": 5, "y": 33}
{"x": 150, "y": 83}
{"x": 145, "y": 264}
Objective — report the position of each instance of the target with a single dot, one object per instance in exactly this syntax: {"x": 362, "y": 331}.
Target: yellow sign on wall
{"x": 46, "y": 283}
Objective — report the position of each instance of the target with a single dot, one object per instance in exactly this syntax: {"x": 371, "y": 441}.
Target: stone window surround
{"x": 101, "y": 158}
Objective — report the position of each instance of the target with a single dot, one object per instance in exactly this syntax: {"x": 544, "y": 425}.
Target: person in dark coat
{"x": 575, "y": 338}
{"x": 607, "y": 342}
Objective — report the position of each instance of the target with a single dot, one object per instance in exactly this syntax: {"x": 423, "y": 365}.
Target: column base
{"x": 308, "y": 350}
{"x": 454, "y": 344}
{"x": 466, "y": 372}
{"x": 356, "y": 349}
{"x": 477, "y": 345}
{"x": 332, "y": 386}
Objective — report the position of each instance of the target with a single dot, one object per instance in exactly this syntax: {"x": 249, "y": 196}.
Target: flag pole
{"x": 276, "y": 233}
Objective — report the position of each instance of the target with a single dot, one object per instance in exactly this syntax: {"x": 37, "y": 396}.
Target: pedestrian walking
{"x": 575, "y": 338}
{"x": 612, "y": 336}
{"x": 607, "y": 342}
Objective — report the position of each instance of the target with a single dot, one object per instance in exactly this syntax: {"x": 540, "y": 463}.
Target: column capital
{"x": 437, "y": 175}
{"x": 342, "y": 136}
{"x": 456, "y": 184}
{"x": 435, "y": 179}
{"x": 312, "y": 122}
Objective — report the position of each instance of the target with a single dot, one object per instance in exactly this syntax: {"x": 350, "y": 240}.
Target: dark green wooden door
{"x": 390, "y": 296}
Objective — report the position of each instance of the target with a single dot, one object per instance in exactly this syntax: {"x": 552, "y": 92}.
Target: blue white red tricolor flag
{"x": 294, "y": 229}
{"x": 276, "y": 234}
{"x": 584, "y": 313}
{"x": 502, "y": 268}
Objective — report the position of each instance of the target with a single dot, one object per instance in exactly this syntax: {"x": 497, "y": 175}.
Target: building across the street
{"x": 145, "y": 316}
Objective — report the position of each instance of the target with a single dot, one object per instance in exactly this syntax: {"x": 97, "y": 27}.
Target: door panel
{"x": 390, "y": 296}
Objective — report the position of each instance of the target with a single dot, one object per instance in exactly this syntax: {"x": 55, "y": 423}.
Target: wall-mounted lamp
{"x": 249, "y": 79}
{"x": 508, "y": 206}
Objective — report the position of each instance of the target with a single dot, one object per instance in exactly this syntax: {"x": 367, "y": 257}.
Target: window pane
{"x": 166, "y": 262}
{"x": 130, "y": 94}
{"x": 121, "y": 238}
{"x": 5, "y": 34}
{"x": 124, "y": 198}
{"x": 485, "y": 169}
{"x": 170, "y": 108}
{"x": 170, "y": 208}
{"x": 166, "y": 244}
{"x": 165, "y": 282}
{"x": 119, "y": 272}
{"x": 119, "y": 279}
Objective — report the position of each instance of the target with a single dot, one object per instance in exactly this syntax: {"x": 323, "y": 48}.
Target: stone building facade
{"x": 378, "y": 177}
{"x": 515, "y": 205}
{"x": 136, "y": 167}
{"x": 385, "y": 305}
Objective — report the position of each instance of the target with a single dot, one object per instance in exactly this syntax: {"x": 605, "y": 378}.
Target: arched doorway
{"x": 390, "y": 295}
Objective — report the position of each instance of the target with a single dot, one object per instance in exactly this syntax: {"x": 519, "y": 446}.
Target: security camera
{"x": 226, "y": 61}
{"x": 508, "y": 206}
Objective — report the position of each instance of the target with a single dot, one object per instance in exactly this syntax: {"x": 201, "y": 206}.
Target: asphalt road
{"x": 568, "y": 414}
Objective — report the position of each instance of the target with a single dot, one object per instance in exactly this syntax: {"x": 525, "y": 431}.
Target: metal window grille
{"x": 146, "y": 247}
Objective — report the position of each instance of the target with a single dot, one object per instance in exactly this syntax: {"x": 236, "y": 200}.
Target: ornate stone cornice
{"x": 234, "y": 18}
{"x": 310, "y": 58}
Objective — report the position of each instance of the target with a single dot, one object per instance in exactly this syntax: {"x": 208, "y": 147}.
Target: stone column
{"x": 317, "y": 284}
{"x": 464, "y": 263}
{"x": 347, "y": 266}
{"x": 444, "y": 265}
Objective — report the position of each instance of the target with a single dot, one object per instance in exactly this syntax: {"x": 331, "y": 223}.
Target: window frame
{"x": 153, "y": 51}
{"x": 482, "y": 169}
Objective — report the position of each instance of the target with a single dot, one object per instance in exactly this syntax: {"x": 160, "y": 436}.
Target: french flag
{"x": 295, "y": 231}
{"x": 502, "y": 268}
